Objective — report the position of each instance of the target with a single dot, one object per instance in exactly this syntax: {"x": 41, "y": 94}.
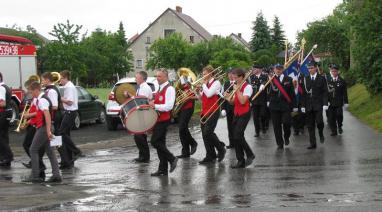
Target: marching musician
{"x": 141, "y": 139}
{"x": 280, "y": 102}
{"x": 68, "y": 151}
{"x": 314, "y": 101}
{"x": 189, "y": 144}
{"x": 259, "y": 105}
{"x": 54, "y": 95}
{"x": 6, "y": 155}
{"x": 210, "y": 107}
{"x": 163, "y": 103}
{"x": 42, "y": 137}
{"x": 242, "y": 114}
{"x": 227, "y": 108}
{"x": 338, "y": 98}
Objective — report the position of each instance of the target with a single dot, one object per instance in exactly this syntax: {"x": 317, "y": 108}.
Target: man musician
{"x": 189, "y": 144}
{"x": 6, "y": 155}
{"x": 163, "y": 103}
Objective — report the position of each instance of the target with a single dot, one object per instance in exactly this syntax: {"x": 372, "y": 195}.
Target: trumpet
{"x": 204, "y": 119}
{"x": 23, "y": 122}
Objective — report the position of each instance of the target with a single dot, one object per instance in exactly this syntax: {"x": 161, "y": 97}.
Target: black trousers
{"x": 158, "y": 141}
{"x": 211, "y": 140}
{"x": 230, "y": 125}
{"x": 281, "y": 121}
{"x": 68, "y": 148}
{"x": 298, "y": 121}
{"x": 335, "y": 118}
{"x": 259, "y": 117}
{"x": 5, "y": 150}
{"x": 313, "y": 118}
{"x": 240, "y": 124}
{"x": 143, "y": 146}
{"x": 186, "y": 139}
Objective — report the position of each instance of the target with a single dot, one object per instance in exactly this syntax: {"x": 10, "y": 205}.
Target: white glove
{"x": 295, "y": 109}
{"x": 303, "y": 110}
{"x": 267, "y": 104}
{"x": 346, "y": 106}
{"x": 223, "y": 113}
{"x": 262, "y": 87}
{"x": 325, "y": 107}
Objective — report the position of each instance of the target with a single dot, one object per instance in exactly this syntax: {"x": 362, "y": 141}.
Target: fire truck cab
{"x": 17, "y": 62}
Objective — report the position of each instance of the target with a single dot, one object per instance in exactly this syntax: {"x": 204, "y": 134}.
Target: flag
{"x": 304, "y": 65}
{"x": 292, "y": 70}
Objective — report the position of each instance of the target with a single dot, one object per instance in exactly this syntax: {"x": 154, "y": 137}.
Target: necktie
{"x": 312, "y": 78}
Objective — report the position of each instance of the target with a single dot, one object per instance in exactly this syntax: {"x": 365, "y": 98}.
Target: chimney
{"x": 178, "y": 9}
{"x": 239, "y": 35}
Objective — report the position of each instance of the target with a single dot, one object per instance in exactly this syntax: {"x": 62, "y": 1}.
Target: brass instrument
{"x": 121, "y": 90}
{"x": 56, "y": 77}
{"x": 23, "y": 122}
{"x": 182, "y": 96}
{"x": 204, "y": 119}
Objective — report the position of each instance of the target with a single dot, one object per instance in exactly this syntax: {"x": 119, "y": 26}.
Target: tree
{"x": 261, "y": 38}
{"x": 277, "y": 34}
{"x": 169, "y": 52}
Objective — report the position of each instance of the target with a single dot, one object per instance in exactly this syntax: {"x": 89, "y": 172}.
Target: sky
{"x": 218, "y": 17}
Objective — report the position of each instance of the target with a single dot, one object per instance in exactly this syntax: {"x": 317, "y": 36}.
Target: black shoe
{"x": 78, "y": 155}
{"x": 286, "y": 141}
{"x": 206, "y": 161}
{"x": 238, "y": 165}
{"x": 158, "y": 174}
{"x": 5, "y": 163}
{"x": 173, "y": 164}
{"x": 31, "y": 179}
{"x": 141, "y": 160}
{"x": 28, "y": 165}
{"x": 193, "y": 149}
{"x": 183, "y": 156}
{"x": 257, "y": 135}
{"x": 312, "y": 147}
{"x": 340, "y": 131}
{"x": 230, "y": 147}
{"x": 333, "y": 134}
{"x": 66, "y": 166}
{"x": 221, "y": 154}
{"x": 54, "y": 179}
{"x": 249, "y": 160}
{"x": 322, "y": 139}
{"x": 280, "y": 147}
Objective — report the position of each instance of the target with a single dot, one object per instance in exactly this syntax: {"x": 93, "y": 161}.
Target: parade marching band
{"x": 288, "y": 102}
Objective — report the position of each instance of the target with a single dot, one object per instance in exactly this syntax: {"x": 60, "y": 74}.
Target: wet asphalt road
{"x": 343, "y": 174}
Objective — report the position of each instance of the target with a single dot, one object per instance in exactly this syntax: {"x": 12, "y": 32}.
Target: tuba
{"x": 56, "y": 77}
{"x": 182, "y": 96}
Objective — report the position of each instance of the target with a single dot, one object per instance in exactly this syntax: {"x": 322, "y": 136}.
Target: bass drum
{"x": 137, "y": 115}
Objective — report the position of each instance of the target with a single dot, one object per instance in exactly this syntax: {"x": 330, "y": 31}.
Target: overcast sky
{"x": 220, "y": 17}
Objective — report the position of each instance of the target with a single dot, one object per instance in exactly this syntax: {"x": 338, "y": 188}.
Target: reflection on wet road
{"x": 343, "y": 173}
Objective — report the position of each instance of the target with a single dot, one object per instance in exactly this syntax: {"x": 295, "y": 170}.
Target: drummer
{"x": 141, "y": 139}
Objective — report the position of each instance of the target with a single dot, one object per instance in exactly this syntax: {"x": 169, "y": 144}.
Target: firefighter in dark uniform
{"x": 259, "y": 105}
{"x": 298, "y": 120}
{"x": 281, "y": 104}
{"x": 6, "y": 155}
{"x": 338, "y": 98}
{"x": 315, "y": 100}
{"x": 227, "y": 108}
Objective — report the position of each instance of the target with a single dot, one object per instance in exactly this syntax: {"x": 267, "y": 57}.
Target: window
{"x": 79, "y": 93}
{"x": 168, "y": 32}
{"x": 86, "y": 94}
{"x": 148, "y": 40}
{"x": 147, "y": 52}
{"x": 191, "y": 39}
{"x": 139, "y": 63}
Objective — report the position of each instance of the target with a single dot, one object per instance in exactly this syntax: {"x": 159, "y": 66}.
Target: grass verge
{"x": 365, "y": 107}
{"x": 102, "y": 93}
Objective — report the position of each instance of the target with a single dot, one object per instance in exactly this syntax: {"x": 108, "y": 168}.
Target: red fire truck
{"x": 17, "y": 63}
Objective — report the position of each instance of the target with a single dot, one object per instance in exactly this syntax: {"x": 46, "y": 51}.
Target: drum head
{"x": 141, "y": 119}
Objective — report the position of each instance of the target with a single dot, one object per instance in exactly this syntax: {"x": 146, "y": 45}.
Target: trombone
{"x": 204, "y": 119}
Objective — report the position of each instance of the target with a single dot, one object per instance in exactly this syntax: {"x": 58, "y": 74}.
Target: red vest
{"x": 38, "y": 120}
{"x": 240, "y": 109}
{"x": 190, "y": 103}
{"x": 160, "y": 98}
{"x": 209, "y": 105}
{"x": 32, "y": 109}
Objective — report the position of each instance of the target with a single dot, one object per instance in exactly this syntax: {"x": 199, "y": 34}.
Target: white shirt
{"x": 248, "y": 91}
{"x": 169, "y": 96}
{"x": 281, "y": 77}
{"x": 53, "y": 97}
{"x": 145, "y": 90}
{"x": 314, "y": 76}
{"x": 70, "y": 93}
{"x": 2, "y": 92}
{"x": 43, "y": 104}
{"x": 213, "y": 90}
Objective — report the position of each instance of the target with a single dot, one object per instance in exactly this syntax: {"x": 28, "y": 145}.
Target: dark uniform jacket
{"x": 338, "y": 95}
{"x": 226, "y": 105}
{"x": 276, "y": 99}
{"x": 255, "y": 82}
{"x": 315, "y": 93}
